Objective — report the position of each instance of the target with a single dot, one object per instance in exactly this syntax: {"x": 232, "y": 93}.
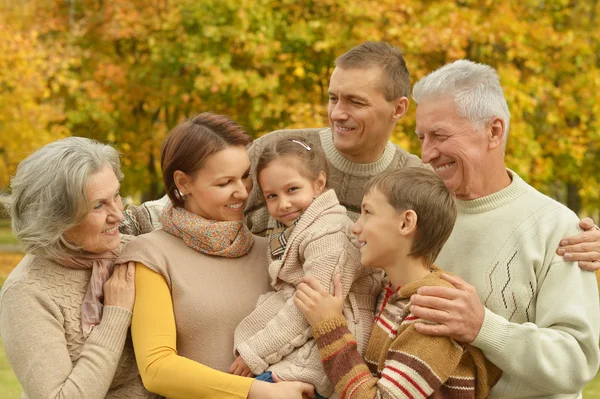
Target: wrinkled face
{"x": 360, "y": 117}
{"x": 219, "y": 190}
{"x": 377, "y": 230}
{"x": 457, "y": 151}
{"x": 287, "y": 193}
{"x": 99, "y": 231}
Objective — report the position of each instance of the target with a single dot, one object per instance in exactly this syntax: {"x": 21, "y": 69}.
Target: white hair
{"x": 49, "y": 192}
{"x": 475, "y": 89}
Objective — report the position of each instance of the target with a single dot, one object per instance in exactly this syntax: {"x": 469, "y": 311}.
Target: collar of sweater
{"x": 352, "y": 168}
{"x": 500, "y": 198}
{"x": 432, "y": 279}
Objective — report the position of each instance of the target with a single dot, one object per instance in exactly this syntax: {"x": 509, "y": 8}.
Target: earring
{"x": 180, "y": 195}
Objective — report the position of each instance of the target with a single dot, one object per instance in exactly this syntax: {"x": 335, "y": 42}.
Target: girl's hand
{"x": 281, "y": 390}
{"x": 316, "y": 303}
{"x": 239, "y": 367}
{"x": 119, "y": 289}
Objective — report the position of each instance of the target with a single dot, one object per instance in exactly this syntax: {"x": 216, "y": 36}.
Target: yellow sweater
{"x": 186, "y": 309}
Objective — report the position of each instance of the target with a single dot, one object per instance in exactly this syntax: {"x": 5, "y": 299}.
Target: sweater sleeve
{"x": 415, "y": 365}
{"x": 33, "y": 335}
{"x": 288, "y": 329}
{"x": 558, "y": 350}
{"x": 154, "y": 335}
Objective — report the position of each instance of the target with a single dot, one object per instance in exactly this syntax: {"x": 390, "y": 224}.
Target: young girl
{"x": 312, "y": 237}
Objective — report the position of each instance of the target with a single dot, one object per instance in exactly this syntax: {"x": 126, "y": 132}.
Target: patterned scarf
{"x": 278, "y": 239}
{"x": 102, "y": 265}
{"x": 212, "y": 237}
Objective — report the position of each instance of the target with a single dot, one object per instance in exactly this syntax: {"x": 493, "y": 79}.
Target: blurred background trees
{"x": 125, "y": 72}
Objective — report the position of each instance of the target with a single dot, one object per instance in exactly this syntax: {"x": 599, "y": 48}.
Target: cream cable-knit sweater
{"x": 276, "y": 335}
{"x": 542, "y": 317}
{"x": 345, "y": 177}
{"x": 40, "y": 324}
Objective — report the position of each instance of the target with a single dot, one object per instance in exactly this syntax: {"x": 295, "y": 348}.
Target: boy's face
{"x": 378, "y": 231}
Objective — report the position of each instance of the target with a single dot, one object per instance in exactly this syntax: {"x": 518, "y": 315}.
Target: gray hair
{"x": 474, "y": 87}
{"x": 49, "y": 192}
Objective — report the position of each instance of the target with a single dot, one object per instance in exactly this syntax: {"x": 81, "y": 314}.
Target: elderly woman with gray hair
{"x": 65, "y": 310}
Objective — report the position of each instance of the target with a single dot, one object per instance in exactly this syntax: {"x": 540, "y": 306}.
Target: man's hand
{"x": 238, "y": 367}
{"x": 316, "y": 303}
{"x": 458, "y": 311}
{"x": 583, "y": 248}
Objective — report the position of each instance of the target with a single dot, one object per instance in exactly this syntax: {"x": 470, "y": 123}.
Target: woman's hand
{"x": 119, "y": 289}
{"x": 281, "y": 390}
{"x": 239, "y": 367}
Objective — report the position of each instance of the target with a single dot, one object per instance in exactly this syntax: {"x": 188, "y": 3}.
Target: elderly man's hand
{"x": 315, "y": 301}
{"x": 458, "y": 311}
{"x": 583, "y": 248}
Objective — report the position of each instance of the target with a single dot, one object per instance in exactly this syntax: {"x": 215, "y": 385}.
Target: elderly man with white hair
{"x": 532, "y": 313}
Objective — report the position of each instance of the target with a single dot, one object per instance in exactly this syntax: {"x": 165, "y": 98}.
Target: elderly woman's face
{"x": 99, "y": 231}
{"x": 219, "y": 190}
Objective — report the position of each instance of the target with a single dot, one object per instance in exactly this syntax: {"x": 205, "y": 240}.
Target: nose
{"x": 429, "y": 151}
{"x": 337, "y": 111}
{"x": 284, "y": 203}
{"x": 116, "y": 211}
{"x": 241, "y": 190}
{"x": 357, "y": 227}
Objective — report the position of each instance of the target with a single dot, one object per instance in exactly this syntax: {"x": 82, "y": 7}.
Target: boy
{"x": 406, "y": 217}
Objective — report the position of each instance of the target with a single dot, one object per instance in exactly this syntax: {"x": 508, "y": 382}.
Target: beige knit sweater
{"x": 40, "y": 324}
{"x": 276, "y": 335}
{"x": 345, "y": 177}
{"x": 210, "y": 294}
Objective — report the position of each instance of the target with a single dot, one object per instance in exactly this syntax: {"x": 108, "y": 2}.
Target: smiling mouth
{"x": 111, "y": 230}
{"x": 444, "y": 167}
{"x": 237, "y": 206}
{"x": 344, "y": 128}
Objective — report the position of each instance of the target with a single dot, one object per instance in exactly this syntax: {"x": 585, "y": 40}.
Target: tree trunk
{"x": 573, "y": 198}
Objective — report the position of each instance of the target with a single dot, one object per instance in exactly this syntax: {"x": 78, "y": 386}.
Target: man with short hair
{"x": 368, "y": 94}
{"x": 541, "y": 319}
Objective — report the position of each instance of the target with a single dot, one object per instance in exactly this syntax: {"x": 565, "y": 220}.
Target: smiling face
{"x": 99, "y": 231}
{"x": 458, "y": 152}
{"x": 287, "y": 193}
{"x": 378, "y": 232}
{"x": 360, "y": 117}
{"x": 218, "y": 190}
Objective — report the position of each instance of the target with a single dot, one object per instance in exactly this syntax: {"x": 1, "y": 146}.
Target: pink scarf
{"x": 230, "y": 239}
{"x": 102, "y": 265}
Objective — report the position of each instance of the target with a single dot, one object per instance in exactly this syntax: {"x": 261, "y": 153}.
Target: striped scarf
{"x": 279, "y": 238}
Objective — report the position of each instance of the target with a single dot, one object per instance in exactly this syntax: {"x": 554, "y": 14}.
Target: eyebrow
{"x": 232, "y": 176}
{"x": 350, "y": 96}
{"x": 105, "y": 198}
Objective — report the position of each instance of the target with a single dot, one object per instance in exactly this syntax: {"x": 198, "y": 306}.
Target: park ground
{"x": 10, "y": 256}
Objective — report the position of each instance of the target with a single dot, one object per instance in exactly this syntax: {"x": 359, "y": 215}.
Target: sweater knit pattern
{"x": 538, "y": 306}
{"x": 345, "y": 177}
{"x": 399, "y": 362}
{"x": 276, "y": 336}
{"x": 40, "y": 323}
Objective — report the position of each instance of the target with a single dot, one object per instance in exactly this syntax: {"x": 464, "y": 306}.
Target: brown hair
{"x": 395, "y": 79}
{"x": 311, "y": 160}
{"x": 190, "y": 143}
{"x": 425, "y": 193}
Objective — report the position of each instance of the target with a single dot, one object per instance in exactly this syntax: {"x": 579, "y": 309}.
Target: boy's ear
{"x": 408, "y": 222}
{"x": 321, "y": 182}
{"x": 181, "y": 181}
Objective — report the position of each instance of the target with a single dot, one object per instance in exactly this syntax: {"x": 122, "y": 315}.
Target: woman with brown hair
{"x": 202, "y": 273}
